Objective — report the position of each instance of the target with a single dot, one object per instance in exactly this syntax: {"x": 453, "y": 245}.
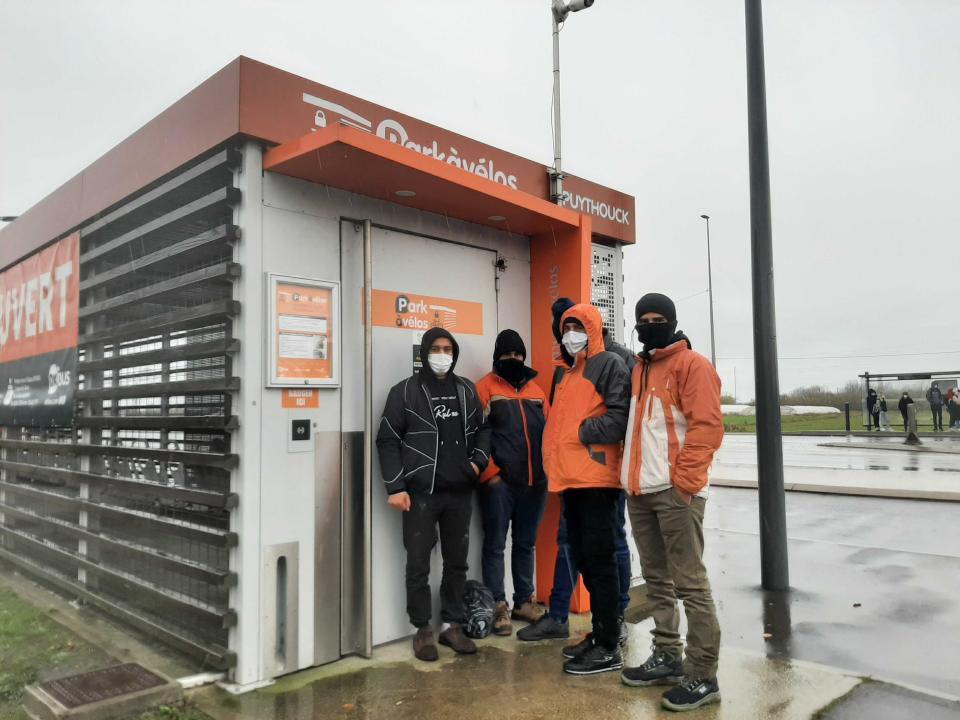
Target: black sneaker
{"x": 571, "y": 651}
{"x": 661, "y": 668}
{"x": 546, "y": 628}
{"x": 691, "y": 694}
{"x": 596, "y": 659}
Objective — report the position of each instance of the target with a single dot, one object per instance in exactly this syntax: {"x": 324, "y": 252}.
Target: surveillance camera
{"x": 578, "y": 5}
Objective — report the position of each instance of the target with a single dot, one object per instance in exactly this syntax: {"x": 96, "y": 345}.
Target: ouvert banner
{"x": 39, "y": 324}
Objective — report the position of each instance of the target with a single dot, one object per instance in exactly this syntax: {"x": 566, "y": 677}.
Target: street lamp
{"x": 713, "y": 346}
{"x": 559, "y": 10}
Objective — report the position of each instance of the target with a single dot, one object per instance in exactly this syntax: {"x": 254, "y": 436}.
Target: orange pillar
{"x": 560, "y": 266}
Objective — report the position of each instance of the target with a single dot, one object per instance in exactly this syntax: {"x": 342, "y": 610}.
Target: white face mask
{"x": 574, "y": 341}
{"x": 440, "y": 363}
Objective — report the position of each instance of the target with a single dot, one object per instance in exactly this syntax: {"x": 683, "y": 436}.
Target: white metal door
{"x": 417, "y": 266}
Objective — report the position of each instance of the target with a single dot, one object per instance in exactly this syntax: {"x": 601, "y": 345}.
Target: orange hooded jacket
{"x": 588, "y": 415}
{"x": 675, "y": 424}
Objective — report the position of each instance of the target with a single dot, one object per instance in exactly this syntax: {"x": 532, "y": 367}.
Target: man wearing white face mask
{"x": 581, "y": 455}
{"x": 433, "y": 445}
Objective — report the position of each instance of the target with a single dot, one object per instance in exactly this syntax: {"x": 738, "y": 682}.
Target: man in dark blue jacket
{"x": 433, "y": 445}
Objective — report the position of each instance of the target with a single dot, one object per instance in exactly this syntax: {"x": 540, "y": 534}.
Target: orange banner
{"x": 304, "y": 340}
{"x": 422, "y": 312}
{"x": 39, "y": 301}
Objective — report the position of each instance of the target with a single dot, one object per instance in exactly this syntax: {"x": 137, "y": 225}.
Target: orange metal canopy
{"x": 344, "y": 157}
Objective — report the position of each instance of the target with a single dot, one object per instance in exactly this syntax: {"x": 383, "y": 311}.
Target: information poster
{"x": 303, "y": 315}
{"x": 39, "y": 324}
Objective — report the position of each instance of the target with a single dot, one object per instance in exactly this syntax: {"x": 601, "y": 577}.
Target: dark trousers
{"x": 876, "y": 420}
{"x": 518, "y": 508}
{"x": 937, "y": 411}
{"x": 566, "y": 573}
{"x": 591, "y": 515}
{"x": 450, "y": 513}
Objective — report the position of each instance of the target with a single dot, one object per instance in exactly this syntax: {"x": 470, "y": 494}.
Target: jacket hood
{"x": 428, "y": 337}
{"x": 588, "y": 316}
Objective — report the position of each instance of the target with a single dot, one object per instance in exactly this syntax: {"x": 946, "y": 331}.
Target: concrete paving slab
{"x": 881, "y": 701}
{"x": 509, "y": 679}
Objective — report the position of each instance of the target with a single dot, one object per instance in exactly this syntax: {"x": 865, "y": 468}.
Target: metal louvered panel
{"x": 130, "y": 508}
{"x": 607, "y": 288}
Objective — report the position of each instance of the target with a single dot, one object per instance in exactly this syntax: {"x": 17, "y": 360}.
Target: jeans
{"x": 592, "y": 520}
{"x": 520, "y": 509}
{"x": 669, "y": 536}
{"x": 566, "y": 573}
{"x": 937, "y": 411}
{"x": 450, "y": 512}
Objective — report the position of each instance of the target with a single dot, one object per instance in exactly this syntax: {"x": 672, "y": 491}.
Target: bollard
{"x": 846, "y": 414}
{"x": 912, "y": 438}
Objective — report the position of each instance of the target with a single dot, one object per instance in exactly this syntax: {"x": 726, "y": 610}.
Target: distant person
{"x": 935, "y": 398}
{"x": 872, "y": 408}
{"x": 953, "y": 407}
{"x": 905, "y": 402}
{"x": 882, "y": 405}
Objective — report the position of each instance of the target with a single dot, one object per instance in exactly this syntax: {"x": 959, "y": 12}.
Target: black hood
{"x": 428, "y": 337}
{"x": 508, "y": 341}
{"x": 559, "y": 307}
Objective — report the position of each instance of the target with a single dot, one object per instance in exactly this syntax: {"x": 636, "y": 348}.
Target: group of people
{"x": 936, "y": 398}
{"x": 612, "y": 433}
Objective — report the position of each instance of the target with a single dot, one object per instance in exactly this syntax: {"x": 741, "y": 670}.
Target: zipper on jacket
{"x": 526, "y": 436}
{"x": 436, "y": 439}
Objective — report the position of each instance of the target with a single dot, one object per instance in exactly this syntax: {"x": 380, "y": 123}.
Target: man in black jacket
{"x": 433, "y": 445}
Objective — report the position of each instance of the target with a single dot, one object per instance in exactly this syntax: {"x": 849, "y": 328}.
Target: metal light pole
{"x": 713, "y": 344}
{"x": 559, "y": 10}
{"x": 774, "y": 569}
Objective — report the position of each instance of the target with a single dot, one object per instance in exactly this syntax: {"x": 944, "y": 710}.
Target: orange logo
{"x": 409, "y": 311}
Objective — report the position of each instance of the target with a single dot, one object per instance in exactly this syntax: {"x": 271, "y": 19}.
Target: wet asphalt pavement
{"x": 876, "y": 584}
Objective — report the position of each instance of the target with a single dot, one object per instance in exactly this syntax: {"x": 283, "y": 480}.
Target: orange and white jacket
{"x": 675, "y": 425}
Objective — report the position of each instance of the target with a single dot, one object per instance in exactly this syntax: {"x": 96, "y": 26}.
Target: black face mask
{"x": 656, "y": 335}
{"x": 512, "y": 370}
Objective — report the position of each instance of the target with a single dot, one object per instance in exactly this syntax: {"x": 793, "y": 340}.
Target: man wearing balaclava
{"x": 513, "y": 490}
{"x": 433, "y": 444}
{"x": 675, "y": 427}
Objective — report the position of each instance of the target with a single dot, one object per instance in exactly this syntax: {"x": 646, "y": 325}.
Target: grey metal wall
{"x": 129, "y": 510}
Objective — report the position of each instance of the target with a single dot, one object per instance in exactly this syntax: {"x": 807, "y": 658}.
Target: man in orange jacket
{"x": 675, "y": 427}
{"x": 513, "y": 489}
{"x": 581, "y": 455}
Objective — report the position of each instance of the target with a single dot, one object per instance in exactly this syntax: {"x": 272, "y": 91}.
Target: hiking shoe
{"x": 571, "y": 651}
{"x": 596, "y": 659}
{"x": 546, "y": 628}
{"x": 424, "y": 647}
{"x": 529, "y": 611}
{"x": 661, "y": 668}
{"x": 691, "y": 694}
{"x": 454, "y": 639}
{"x": 501, "y": 620}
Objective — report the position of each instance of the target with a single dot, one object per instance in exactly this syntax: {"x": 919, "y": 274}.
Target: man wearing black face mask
{"x": 674, "y": 430}
{"x": 514, "y": 489}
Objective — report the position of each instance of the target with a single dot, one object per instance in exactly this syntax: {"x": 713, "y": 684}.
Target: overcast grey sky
{"x": 863, "y": 108}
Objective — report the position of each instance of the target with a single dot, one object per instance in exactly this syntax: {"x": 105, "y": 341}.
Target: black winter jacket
{"x": 407, "y": 439}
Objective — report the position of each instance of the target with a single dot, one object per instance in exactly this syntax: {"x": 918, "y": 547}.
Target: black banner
{"x": 38, "y": 390}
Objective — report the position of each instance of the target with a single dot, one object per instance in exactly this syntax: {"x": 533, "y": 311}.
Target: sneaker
{"x": 454, "y": 639}
{"x": 596, "y": 659}
{"x": 546, "y": 628}
{"x": 691, "y": 694}
{"x": 501, "y": 620}
{"x": 661, "y": 668}
{"x": 424, "y": 647}
{"x": 529, "y": 611}
{"x": 571, "y": 651}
